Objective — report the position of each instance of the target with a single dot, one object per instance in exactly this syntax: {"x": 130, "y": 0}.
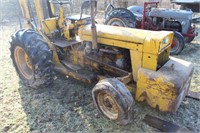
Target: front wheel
{"x": 178, "y": 44}
{"x": 114, "y": 100}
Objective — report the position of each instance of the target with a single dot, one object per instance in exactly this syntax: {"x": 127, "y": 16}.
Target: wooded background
{"x": 123, "y": 3}
{"x": 102, "y": 4}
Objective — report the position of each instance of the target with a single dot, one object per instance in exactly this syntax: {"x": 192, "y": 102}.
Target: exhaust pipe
{"x": 93, "y": 3}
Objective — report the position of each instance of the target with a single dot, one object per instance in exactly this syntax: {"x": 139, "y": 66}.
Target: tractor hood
{"x": 171, "y": 13}
{"x": 129, "y": 38}
{"x": 116, "y": 33}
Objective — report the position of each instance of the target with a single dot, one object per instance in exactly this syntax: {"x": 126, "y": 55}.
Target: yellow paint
{"x": 166, "y": 87}
{"x": 49, "y": 25}
{"x": 135, "y": 39}
{"x": 52, "y": 9}
{"x": 121, "y": 34}
{"x": 156, "y": 89}
{"x": 56, "y": 60}
{"x": 25, "y": 12}
{"x": 153, "y": 43}
{"x": 39, "y": 11}
{"x": 117, "y": 43}
{"x": 61, "y": 18}
{"x": 62, "y": 25}
{"x": 136, "y": 62}
{"x": 148, "y": 48}
{"x": 150, "y": 61}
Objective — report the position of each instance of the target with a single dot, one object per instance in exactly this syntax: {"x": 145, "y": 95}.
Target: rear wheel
{"x": 32, "y": 58}
{"x": 120, "y": 17}
{"x": 178, "y": 44}
{"x": 114, "y": 100}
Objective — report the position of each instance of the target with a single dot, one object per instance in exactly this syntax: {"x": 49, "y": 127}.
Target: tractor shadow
{"x": 60, "y": 107}
{"x": 67, "y": 105}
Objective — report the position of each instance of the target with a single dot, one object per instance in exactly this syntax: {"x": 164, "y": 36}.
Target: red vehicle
{"x": 150, "y": 17}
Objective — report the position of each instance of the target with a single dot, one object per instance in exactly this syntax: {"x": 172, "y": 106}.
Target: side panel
{"x": 113, "y": 42}
{"x": 150, "y": 61}
{"x": 49, "y": 25}
{"x": 136, "y": 62}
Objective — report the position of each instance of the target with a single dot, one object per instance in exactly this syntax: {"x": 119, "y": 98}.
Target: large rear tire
{"x": 178, "y": 44}
{"x": 31, "y": 58}
{"x": 120, "y": 17}
{"x": 114, "y": 100}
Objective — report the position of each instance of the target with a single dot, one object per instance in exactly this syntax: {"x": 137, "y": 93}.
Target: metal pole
{"x": 19, "y": 15}
{"x": 93, "y": 26}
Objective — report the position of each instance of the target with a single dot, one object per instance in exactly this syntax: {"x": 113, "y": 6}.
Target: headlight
{"x": 165, "y": 40}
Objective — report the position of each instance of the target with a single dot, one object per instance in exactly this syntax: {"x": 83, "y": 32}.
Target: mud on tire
{"x": 120, "y": 17}
{"x": 114, "y": 100}
{"x": 31, "y": 58}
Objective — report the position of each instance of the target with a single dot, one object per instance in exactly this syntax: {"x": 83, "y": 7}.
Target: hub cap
{"x": 175, "y": 45}
{"x": 108, "y": 105}
{"x": 23, "y": 62}
{"x": 116, "y": 22}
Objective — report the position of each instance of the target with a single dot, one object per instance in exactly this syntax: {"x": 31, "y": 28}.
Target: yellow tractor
{"x": 124, "y": 61}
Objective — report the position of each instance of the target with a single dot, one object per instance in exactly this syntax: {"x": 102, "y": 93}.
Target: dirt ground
{"x": 67, "y": 106}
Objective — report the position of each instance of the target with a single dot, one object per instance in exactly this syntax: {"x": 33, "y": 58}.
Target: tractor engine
{"x": 172, "y": 25}
{"x": 117, "y": 57}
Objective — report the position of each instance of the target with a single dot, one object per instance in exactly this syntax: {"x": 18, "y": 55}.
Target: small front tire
{"x": 114, "y": 100}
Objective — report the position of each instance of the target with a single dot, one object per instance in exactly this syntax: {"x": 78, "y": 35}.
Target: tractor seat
{"x": 77, "y": 17}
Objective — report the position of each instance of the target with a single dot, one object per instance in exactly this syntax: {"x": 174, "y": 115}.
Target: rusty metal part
{"x": 82, "y": 77}
{"x": 101, "y": 77}
{"x": 194, "y": 95}
{"x": 109, "y": 51}
{"x": 126, "y": 79}
{"x": 70, "y": 65}
{"x": 166, "y": 88}
{"x": 162, "y": 125}
{"x": 63, "y": 43}
{"x": 23, "y": 62}
{"x": 109, "y": 68}
{"x": 108, "y": 105}
{"x": 93, "y": 26}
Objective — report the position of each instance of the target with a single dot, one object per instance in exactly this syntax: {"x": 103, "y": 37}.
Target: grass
{"x": 67, "y": 106}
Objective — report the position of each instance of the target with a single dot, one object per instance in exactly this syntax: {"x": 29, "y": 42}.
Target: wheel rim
{"x": 23, "y": 62}
{"x": 175, "y": 45}
{"x": 116, "y": 22}
{"x": 108, "y": 105}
